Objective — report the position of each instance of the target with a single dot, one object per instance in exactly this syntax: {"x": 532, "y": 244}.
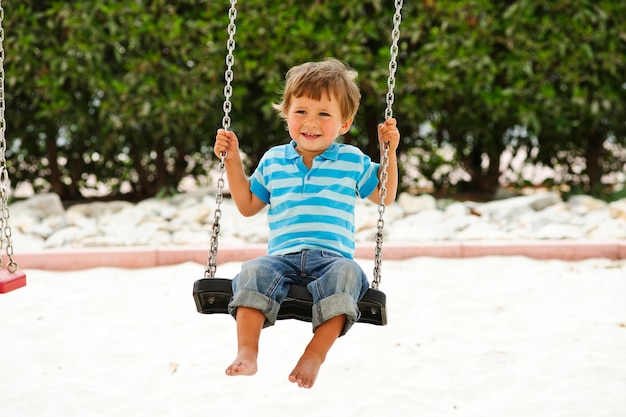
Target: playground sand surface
{"x": 487, "y": 336}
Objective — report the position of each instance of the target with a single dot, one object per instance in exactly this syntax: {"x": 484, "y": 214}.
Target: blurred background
{"x": 121, "y": 100}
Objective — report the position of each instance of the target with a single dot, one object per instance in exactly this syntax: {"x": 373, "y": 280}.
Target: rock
{"x": 55, "y": 222}
{"x": 24, "y": 222}
{"x": 459, "y": 223}
{"x": 484, "y": 231}
{"x": 456, "y": 209}
{"x": 412, "y": 204}
{"x": 423, "y": 226}
{"x": 559, "y": 231}
{"x": 197, "y": 196}
{"x": 503, "y": 193}
{"x": 188, "y": 220}
{"x": 42, "y": 230}
{"x": 508, "y": 209}
{"x": 366, "y": 217}
{"x": 39, "y": 205}
{"x": 617, "y": 209}
{"x": 98, "y": 208}
{"x": 28, "y": 242}
{"x": 531, "y": 221}
{"x": 584, "y": 204}
{"x": 192, "y": 237}
{"x": 609, "y": 230}
{"x": 71, "y": 236}
{"x": 104, "y": 241}
{"x": 196, "y": 213}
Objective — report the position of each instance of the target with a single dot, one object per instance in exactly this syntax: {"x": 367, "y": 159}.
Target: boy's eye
{"x": 324, "y": 114}
{"x": 300, "y": 112}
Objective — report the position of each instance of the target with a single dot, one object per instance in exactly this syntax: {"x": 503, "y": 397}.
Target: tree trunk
{"x": 162, "y": 174}
{"x": 141, "y": 188}
{"x": 593, "y": 155}
{"x": 485, "y": 182}
{"x": 52, "y": 153}
{"x": 76, "y": 168}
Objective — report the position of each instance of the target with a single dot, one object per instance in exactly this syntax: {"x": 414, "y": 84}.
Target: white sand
{"x": 480, "y": 337}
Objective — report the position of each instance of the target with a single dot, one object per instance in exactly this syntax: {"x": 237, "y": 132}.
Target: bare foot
{"x": 244, "y": 364}
{"x": 305, "y": 372}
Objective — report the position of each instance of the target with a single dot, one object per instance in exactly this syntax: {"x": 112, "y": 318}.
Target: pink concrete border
{"x": 570, "y": 251}
{"x": 146, "y": 257}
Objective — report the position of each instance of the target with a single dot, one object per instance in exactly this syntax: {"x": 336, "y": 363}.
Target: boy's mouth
{"x": 311, "y": 135}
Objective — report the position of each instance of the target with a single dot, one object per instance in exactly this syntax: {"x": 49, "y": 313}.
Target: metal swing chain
{"x": 384, "y": 163}
{"x": 5, "y": 229}
{"x": 211, "y": 266}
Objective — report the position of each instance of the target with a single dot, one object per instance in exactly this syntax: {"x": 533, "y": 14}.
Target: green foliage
{"x": 524, "y": 74}
{"x": 131, "y": 92}
{"x": 617, "y": 195}
{"x": 578, "y": 84}
{"x": 120, "y": 91}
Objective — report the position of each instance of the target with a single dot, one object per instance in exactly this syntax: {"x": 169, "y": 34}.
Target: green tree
{"x": 121, "y": 91}
{"x": 130, "y": 93}
{"x": 490, "y": 70}
{"x": 579, "y": 51}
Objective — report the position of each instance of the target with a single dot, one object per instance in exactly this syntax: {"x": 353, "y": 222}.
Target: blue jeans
{"x": 336, "y": 284}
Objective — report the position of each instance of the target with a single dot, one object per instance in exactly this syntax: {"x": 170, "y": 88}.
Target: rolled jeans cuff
{"x": 333, "y": 306}
{"x": 258, "y": 301}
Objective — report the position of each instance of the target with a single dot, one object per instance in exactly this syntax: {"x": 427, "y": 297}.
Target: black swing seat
{"x": 212, "y": 296}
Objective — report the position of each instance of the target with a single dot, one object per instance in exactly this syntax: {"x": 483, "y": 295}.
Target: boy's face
{"x": 315, "y": 125}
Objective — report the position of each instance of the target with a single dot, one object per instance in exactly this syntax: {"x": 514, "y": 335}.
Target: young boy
{"x": 311, "y": 185}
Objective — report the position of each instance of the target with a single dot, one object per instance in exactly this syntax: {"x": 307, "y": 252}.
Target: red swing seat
{"x": 10, "y": 281}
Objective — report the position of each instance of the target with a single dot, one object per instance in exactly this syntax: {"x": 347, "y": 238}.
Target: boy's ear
{"x": 345, "y": 126}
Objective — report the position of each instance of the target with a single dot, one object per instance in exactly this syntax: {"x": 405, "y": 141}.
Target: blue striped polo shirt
{"x": 313, "y": 209}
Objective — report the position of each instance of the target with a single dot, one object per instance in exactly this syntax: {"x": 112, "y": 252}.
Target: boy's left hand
{"x": 388, "y": 132}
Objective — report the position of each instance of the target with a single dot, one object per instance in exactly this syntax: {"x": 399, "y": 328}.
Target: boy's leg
{"x": 305, "y": 372}
{"x": 337, "y": 286}
{"x": 249, "y": 324}
{"x": 258, "y": 290}
{"x": 263, "y": 284}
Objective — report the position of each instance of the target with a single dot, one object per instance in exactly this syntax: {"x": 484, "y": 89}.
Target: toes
{"x": 300, "y": 380}
{"x": 236, "y": 369}
{"x": 295, "y": 378}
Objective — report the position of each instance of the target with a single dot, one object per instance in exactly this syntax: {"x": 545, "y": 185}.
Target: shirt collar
{"x": 332, "y": 153}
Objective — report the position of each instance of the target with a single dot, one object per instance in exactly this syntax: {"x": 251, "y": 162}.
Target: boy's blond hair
{"x": 314, "y": 79}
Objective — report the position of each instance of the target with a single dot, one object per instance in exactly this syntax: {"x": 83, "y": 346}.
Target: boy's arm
{"x": 388, "y": 132}
{"x": 247, "y": 203}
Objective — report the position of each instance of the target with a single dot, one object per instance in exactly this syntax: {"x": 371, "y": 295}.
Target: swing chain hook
{"x": 384, "y": 163}
{"x": 211, "y": 266}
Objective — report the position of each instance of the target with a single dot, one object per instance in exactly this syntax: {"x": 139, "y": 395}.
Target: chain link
{"x": 211, "y": 266}
{"x": 384, "y": 163}
{"x": 230, "y": 61}
{"x": 5, "y": 183}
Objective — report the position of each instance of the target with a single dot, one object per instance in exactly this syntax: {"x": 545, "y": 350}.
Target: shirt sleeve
{"x": 257, "y": 183}
{"x": 368, "y": 181}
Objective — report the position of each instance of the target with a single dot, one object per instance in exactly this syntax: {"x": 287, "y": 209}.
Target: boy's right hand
{"x": 226, "y": 142}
